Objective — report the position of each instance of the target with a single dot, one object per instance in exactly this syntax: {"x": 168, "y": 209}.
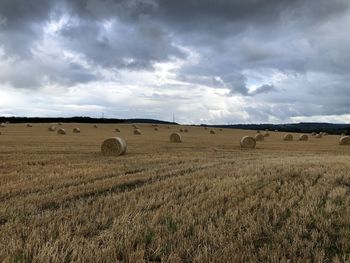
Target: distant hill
{"x": 78, "y": 120}
{"x": 306, "y": 127}
{"x": 293, "y": 127}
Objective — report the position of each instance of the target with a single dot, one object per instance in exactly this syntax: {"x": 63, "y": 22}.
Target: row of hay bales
{"x": 117, "y": 146}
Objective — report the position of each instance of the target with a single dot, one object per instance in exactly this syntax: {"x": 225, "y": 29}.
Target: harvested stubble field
{"x": 203, "y": 200}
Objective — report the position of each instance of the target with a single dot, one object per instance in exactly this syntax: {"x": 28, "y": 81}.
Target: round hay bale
{"x": 343, "y": 134}
{"x": 113, "y": 147}
{"x": 220, "y": 129}
{"x": 117, "y": 129}
{"x": 345, "y": 140}
{"x": 318, "y": 135}
{"x": 276, "y": 130}
{"x": 156, "y": 129}
{"x": 2, "y": 125}
{"x": 185, "y": 130}
{"x": 168, "y": 127}
{"x": 52, "y": 128}
{"x": 257, "y": 131}
{"x": 288, "y": 137}
{"x": 29, "y": 125}
{"x": 95, "y": 126}
{"x": 248, "y": 142}
{"x": 60, "y": 123}
{"x": 212, "y": 132}
{"x": 259, "y": 137}
{"x": 134, "y": 126}
{"x": 175, "y": 137}
{"x": 137, "y": 132}
{"x": 205, "y": 128}
{"x": 313, "y": 134}
{"x": 61, "y": 131}
{"x": 303, "y": 137}
{"x": 266, "y": 134}
{"x": 181, "y": 130}
{"x": 76, "y": 130}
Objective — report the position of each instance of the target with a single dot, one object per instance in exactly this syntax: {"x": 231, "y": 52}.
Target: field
{"x": 203, "y": 200}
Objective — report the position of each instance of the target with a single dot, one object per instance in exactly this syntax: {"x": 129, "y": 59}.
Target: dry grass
{"x": 203, "y": 200}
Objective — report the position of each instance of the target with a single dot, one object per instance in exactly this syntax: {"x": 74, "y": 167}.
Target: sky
{"x": 206, "y": 61}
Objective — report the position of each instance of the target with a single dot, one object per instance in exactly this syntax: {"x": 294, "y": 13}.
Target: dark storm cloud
{"x": 235, "y": 43}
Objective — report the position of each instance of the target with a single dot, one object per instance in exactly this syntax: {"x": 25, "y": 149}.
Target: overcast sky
{"x": 208, "y": 61}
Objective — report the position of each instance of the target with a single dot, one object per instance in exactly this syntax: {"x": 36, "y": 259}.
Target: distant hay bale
{"x": 248, "y": 142}
{"x": 134, "y": 126}
{"x": 343, "y": 134}
{"x": 181, "y": 130}
{"x": 29, "y": 125}
{"x": 212, "y": 132}
{"x": 313, "y": 134}
{"x": 61, "y": 131}
{"x": 257, "y": 131}
{"x": 259, "y": 137}
{"x": 175, "y": 137}
{"x": 137, "y": 132}
{"x": 113, "y": 147}
{"x": 2, "y": 125}
{"x": 52, "y": 128}
{"x": 276, "y": 130}
{"x": 76, "y": 130}
{"x": 288, "y": 137}
{"x": 205, "y": 128}
{"x": 95, "y": 126}
{"x": 154, "y": 125}
{"x": 303, "y": 137}
{"x": 156, "y": 129}
{"x": 220, "y": 129}
{"x": 168, "y": 127}
{"x": 117, "y": 129}
{"x": 266, "y": 134}
{"x": 318, "y": 135}
{"x": 345, "y": 140}
{"x": 324, "y": 133}
{"x": 60, "y": 123}
{"x": 186, "y": 130}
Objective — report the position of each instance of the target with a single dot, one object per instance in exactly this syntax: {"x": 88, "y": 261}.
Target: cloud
{"x": 278, "y": 60}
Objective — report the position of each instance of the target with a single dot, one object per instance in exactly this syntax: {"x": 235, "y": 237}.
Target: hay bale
{"x": 137, "y": 132}
{"x": 288, "y": 137}
{"x": 276, "y": 130}
{"x": 117, "y": 129}
{"x": 95, "y": 126}
{"x": 29, "y": 125}
{"x": 257, "y": 131}
{"x": 343, "y": 134}
{"x": 113, "y": 147}
{"x": 313, "y": 134}
{"x": 259, "y": 137}
{"x": 61, "y": 131}
{"x": 2, "y": 125}
{"x": 212, "y": 132}
{"x": 220, "y": 129}
{"x": 181, "y": 130}
{"x": 134, "y": 126}
{"x": 60, "y": 123}
{"x": 52, "y": 128}
{"x": 175, "y": 137}
{"x": 205, "y": 128}
{"x": 156, "y": 129}
{"x": 318, "y": 136}
{"x": 248, "y": 142}
{"x": 186, "y": 130}
{"x": 345, "y": 140}
{"x": 168, "y": 127}
{"x": 303, "y": 137}
{"x": 76, "y": 130}
{"x": 266, "y": 134}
